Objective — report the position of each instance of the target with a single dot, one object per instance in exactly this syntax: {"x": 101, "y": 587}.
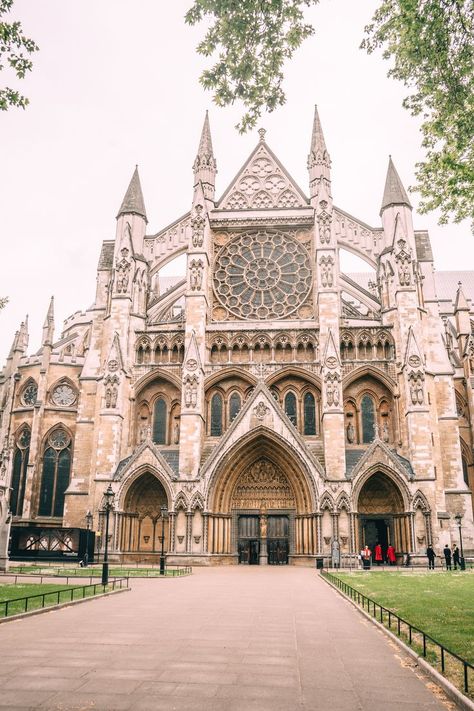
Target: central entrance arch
{"x": 382, "y": 515}
{"x": 263, "y": 505}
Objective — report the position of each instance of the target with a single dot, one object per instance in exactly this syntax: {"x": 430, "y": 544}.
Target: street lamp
{"x": 164, "y": 512}
{"x": 108, "y": 506}
{"x": 89, "y": 526}
{"x": 462, "y": 563}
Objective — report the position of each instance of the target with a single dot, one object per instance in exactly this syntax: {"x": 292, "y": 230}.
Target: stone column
{"x": 263, "y": 558}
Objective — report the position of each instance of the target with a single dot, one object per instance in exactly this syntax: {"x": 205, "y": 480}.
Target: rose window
{"x": 262, "y": 275}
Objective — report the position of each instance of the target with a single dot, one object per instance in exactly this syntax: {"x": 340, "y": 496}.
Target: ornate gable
{"x": 262, "y": 184}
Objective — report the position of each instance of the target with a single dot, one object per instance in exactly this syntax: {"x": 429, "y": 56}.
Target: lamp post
{"x": 89, "y": 526}
{"x": 108, "y": 506}
{"x": 164, "y": 511}
{"x": 462, "y": 562}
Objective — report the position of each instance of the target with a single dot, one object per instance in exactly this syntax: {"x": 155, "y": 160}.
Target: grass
{"x": 95, "y": 571}
{"x": 440, "y": 604}
{"x": 54, "y": 595}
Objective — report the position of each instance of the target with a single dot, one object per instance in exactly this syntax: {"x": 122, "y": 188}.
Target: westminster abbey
{"x": 267, "y": 408}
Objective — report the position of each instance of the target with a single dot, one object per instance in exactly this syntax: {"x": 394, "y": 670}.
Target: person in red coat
{"x": 391, "y": 557}
{"x": 378, "y": 554}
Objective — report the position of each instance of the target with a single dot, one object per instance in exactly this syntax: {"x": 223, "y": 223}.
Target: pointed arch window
{"x": 465, "y": 471}
{"x": 368, "y": 419}
{"x": 290, "y": 408}
{"x": 309, "y": 414}
{"x": 235, "y": 403}
{"x": 56, "y": 473}
{"x": 20, "y": 464}
{"x": 216, "y": 415}
{"x": 159, "y": 421}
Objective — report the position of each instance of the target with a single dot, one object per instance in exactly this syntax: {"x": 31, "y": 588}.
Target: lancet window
{"x": 56, "y": 472}
{"x": 216, "y": 415}
{"x": 20, "y": 464}
{"x": 290, "y": 408}
{"x": 160, "y": 421}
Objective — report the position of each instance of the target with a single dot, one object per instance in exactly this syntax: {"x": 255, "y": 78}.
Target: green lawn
{"x": 12, "y": 591}
{"x": 441, "y": 604}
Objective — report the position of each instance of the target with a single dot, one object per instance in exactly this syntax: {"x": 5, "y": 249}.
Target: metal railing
{"x": 411, "y": 634}
{"x": 20, "y": 605}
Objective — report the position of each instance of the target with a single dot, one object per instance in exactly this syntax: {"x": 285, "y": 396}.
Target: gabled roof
{"x": 262, "y": 183}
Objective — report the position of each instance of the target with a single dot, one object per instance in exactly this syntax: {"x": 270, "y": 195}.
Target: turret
{"x": 132, "y": 216}
{"x": 205, "y": 166}
{"x": 396, "y": 210}
{"x": 463, "y": 319}
{"x": 319, "y": 163}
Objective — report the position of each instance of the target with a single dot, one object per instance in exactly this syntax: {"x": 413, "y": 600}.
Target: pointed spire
{"x": 48, "y": 326}
{"x": 394, "y": 193}
{"x": 319, "y": 162}
{"x": 205, "y": 166}
{"x": 14, "y": 346}
{"x": 461, "y": 302}
{"x": 24, "y": 337}
{"x": 133, "y": 203}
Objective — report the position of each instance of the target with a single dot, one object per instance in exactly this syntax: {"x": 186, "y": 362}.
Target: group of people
{"x": 390, "y": 556}
{"x": 450, "y": 557}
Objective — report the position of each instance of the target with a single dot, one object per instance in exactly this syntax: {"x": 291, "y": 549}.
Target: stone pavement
{"x": 231, "y": 638}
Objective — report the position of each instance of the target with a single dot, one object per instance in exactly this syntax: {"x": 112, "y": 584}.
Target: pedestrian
{"x": 447, "y": 556}
{"x": 378, "y": 554}
{"x": 455, "y": 557}
{"x": 431, "y": 555}
{"x": 391, "y": 555}
{"x": 365, "y": 554}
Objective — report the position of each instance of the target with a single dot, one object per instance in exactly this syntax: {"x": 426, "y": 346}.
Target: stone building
{"x": 279, "y": 408}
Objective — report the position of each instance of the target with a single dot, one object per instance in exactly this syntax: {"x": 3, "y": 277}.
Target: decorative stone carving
{"x": 263, "y": 486}
{"x": 324, "y": 223}
{"x": 403, "y": 259}
{"x": 191, "y": 364}
{"x": 198, "y": 223}
{"x": 196, "y": 269}
{"x": 190, "y": 390}
{"x": 332, "y": 389}
{"x": 416, "y": 380}
{"x": 111, "y": 383}
{"x": 350, "y": 433}
{"x": 326, "y": 265}
{"x": 261, "y": 410}
{"x": 122, "y": 272}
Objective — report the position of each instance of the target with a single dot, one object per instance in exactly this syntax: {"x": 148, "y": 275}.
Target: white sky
{"x": 116, "y": 83}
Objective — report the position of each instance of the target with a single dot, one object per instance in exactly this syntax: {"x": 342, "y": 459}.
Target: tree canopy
{"x": 431, "y": 49}
{"x": 15, "y": 49}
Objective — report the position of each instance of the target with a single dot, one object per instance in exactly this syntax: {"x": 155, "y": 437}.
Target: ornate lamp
{"x": 108, "y": 506}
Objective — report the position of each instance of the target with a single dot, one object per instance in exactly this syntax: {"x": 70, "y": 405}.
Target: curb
{"x": 51, "y": 608}
{"x": 450, "y": 690}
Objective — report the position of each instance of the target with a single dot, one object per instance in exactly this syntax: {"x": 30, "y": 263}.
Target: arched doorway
{"x": 261, "y": 503}
{"x": 141, "y": 520}
{"x": 382, "y": 515}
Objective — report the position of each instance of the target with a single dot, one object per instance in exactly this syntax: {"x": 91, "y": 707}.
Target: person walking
{"x": 431, "y": 555}
{"x": 456, "y": 557}
{"x": 391, "y": 556}
{"x": 447, "y": 556}
{"x": 378, "y": 554}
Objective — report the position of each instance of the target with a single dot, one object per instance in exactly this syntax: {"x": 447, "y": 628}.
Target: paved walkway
{"x": 237, "y": 638}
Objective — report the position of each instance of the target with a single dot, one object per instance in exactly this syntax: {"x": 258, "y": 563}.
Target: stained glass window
{"x": 56, "y": 474}
{"x": 216, "y": 415}
{"x": 262, "y": 275}
{"x": 309, "y": 414}
{"x": 20, "y": 463}
{"x": 368, "y": 419}
{"x": 159, "y": 422}
{"x": 235, "y": 404}
{"x": 290, "y": 408}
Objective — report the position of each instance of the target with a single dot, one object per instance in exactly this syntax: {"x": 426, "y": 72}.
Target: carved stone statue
{"x": 176, "y": 433}
{"x": 196, "y": 268}
{"x": 350, "y": 433}
{"x": 122, "y": 272}
{"x": 197, "y": 225}
{"x": 335, "y": 554}
{"x": 326, "y": 264}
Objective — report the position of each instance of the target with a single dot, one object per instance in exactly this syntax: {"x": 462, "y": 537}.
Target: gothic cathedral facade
{"x": 265, "y": 408}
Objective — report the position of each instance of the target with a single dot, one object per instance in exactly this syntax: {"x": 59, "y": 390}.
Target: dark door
{"x": 248, "y": 542}
{"x": 278, "y": 540}
{"x": 376, "y": 530}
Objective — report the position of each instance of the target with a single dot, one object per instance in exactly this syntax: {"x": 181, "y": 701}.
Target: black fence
{"x": 416, "y": 638}
{"x": 52, "y": 598}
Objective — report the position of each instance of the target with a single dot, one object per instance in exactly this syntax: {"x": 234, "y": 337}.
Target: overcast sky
{"x": 116, "y": 83}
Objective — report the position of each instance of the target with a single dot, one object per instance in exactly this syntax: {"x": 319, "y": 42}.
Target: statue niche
{"x": 263, "y": 485}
